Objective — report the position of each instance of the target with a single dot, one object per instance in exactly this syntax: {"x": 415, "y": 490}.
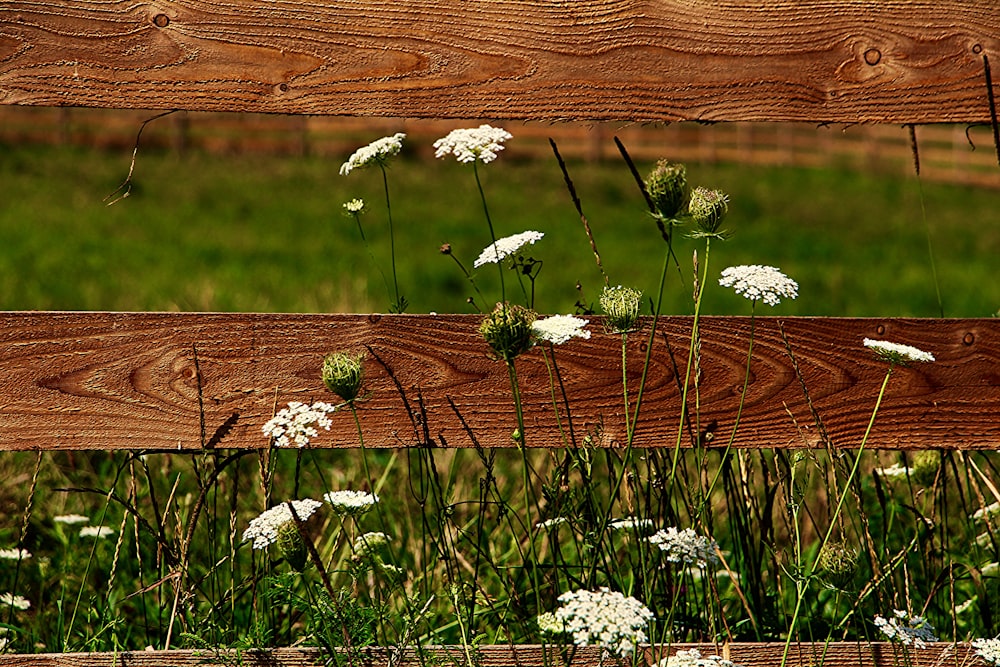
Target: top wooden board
{"x": 849, "y": 61}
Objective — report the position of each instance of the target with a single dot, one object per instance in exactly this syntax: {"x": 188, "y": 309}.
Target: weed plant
{"x": 295, "y": 545}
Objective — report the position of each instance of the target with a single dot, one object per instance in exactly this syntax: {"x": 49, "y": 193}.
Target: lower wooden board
{"x": 834, "y": 654}
{"x": 183, "y": 381}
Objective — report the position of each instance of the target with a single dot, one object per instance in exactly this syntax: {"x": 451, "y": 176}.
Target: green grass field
{"x": 216, "y": 233}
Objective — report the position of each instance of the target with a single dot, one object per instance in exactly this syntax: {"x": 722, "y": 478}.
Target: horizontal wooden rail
{"x": 846, "y": 61}
{"x": 835, "y": 654}
{"x": 167, "y": 381}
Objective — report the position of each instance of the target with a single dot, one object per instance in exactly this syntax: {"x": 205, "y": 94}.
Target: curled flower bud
{"x": 708, "y": 208}
{"x": 621, "y": 305}
{"x": 838, "y": 564}
{"x": 667, "y": 186}
{"x": 292, "y": 546}
{"x": 507, "y": 329}
{"x": 343, "y": 373}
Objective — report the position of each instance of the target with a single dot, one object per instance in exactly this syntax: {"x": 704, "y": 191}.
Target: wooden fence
{"x": 114, "y": 380}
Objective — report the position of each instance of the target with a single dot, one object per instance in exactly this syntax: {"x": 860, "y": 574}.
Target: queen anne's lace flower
{"x": 554, "y": 522}
{"x": 377, "y": 152}
{"x": 97, "y": 531}
{"x": 368, "y": 543}
{"x": 351, "y": 503}
{"x": 988, "y": 650}
{"x": 988, "y": 511}
{"x": 685, "y": 547}
{"x": 70, "y": 519}
{"x": 503, "y": 248}
{"x": 758, "y": 282}
{"x": 14, "y": 554}
{"x": 558, "y": 329}
{"x": 621, "y": 305}
{"x": 604, "y": 617}
{"x": 908, "y": 629}
{"x": 481, "y": 143}
{"x": 693, "y": 658}
{"x": 896, "y": 353}
{"x": 298, "y": 423}
{"x": 265, "y": 528}
{"x": 895, "y": 471}
{"x": 354, "y": 206}
{"x": 632, "y": 523}
{"x": 15, "y": 601}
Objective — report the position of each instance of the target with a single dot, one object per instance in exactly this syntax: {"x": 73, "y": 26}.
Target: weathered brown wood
{"x": 899, "y": 61}
{"x": 177, "y": 380}
{"x": 834, "y": 654}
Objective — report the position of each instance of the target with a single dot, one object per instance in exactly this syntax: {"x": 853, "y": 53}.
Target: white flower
{"x": 16, "y": 601}
{"x": 755, "y": 282}
{"x": 264, "y": 529}
{"x": 354, "y": 206}
{"x": 14, "y": 554}
{"x": 897, "y": 353}
{"x": 988, "y": 511}
{"x": 548, "y": 624}
{"x": 692, "y": 658}
{"x": 351, "y": 503}
{"x": 377, "y": 152}
{"x": 604, "y": 617}
{"x": 988, "y": 650}
{"x": 906, "y": 629}
{"x": 97, "y": 531}
{"x": 554, "y": 522}
{"x": 367, "y": 543}
{"x": 503, "y": 248}
{"x": 298, "y": 423}
{"x": 686, "y": 547}
{"x": 481, "y": 143}
{"x": 558, "y": 329}
{"x": 895, "y": 471}
{"x": 632, "y": 523}
{"x": 70, "y": 519}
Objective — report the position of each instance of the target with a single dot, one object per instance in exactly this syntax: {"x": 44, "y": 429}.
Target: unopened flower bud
{"x": 668, "y": 188}
{"x": 621, "y": 305}
{"x": 708, "y": 208}
{"x": 343, "y": 374}
{"x": 838, "y": 564}
{"x": 507, "y": 329}
{"x": 292, "y": 546}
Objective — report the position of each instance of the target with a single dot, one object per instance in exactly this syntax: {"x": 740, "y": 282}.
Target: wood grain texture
{"x": 898, "y": 61}
{"x": 169, "y": 381}
{"x": 835, "y": 654}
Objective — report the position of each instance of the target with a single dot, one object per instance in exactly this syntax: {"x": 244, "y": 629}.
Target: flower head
{"x": 377, "y": 152}
{"x": 838, "y": 563}
{"x": 508, "y": 330}
{"x": 615, "y": 622}
{"x": 558, "y": 329}
{"x": 265, "y": 529}
{"x": 298, "y": 423}
{"x": 481, "y": 143}
{"x": 632, "y": 523}
{"x": 895, "y": 353}
{"x": 693, "y": 658}
{"x": 906, "y": 629}
{"x": 343, "y": 374}
{"x": 621, "y": 305}
{"x": 97, "y": 531}
{"x": 549, "y": 524}
{"x": 354, "y": 206}
{"x": 14, "y": 554}
{"x": 685, "y": 547}
{"x": 548, "y": 624}
{"x": 503, "y": 248}
{"x": 988, "y": 650}
{"x": 350, "y": 503}
{"x": 757, "y": 282}
{"x": 16, "y": 601}
{"x": 708, "y": 208}
{"x": 70, "y": 519}
{"x": 368, "y": 544}
{"x": 668, "y": 189}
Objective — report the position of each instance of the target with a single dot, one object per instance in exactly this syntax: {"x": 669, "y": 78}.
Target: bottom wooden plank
{"x": 771, "y": 654}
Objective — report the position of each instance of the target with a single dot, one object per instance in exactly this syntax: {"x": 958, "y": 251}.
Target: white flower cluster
{"x": 988, "y": 511}
{"x": 554, "y": 522}
{"x": 613, "y": 621}
{"x": 756, "y": 281}
{"x": 350, "y": 503}
{"x": 264, "y": 529}
{"x": 988, "y": 650}
{"x": 481, "y": 143}
{"x": 548, "y": 624}
{"x": 368, "y": 543}
{"x": 70, "y": 519}
{"x": 895, "y": 471}
{"x": 354, "y": 206}
{"x": 377, "y": 152}
{"x": 897, "y": 353}
{"x": 503, "y": 248}
{"x": 15, "y": 601}
{"x": 14, "y": 554}
{"x": 693, "y": 658}
{"x": 558, "y": 329}
{"x": 906, "y": 629}
{"x": 632, "y": 523}
{"x": 686, "y": 546}
{"x": 97, "y": 531}
{"x": 298, "y": 423}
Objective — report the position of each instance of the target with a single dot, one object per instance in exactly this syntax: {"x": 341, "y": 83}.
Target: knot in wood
{"x": 873, "y": 56}
{"x": 161, "y": 20}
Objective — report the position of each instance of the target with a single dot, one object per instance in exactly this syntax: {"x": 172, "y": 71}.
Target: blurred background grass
{"x": 210, "y": 232}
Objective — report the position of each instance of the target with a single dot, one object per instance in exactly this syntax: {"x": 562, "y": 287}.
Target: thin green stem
{"x": 400, "y": 303}
{"x": 493, "y": 236}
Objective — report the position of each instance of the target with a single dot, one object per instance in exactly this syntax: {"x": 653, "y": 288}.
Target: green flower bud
{"x": 708, "y": 208}
{"x": 508, "y": 331}
{"x": 621, "y": 305}
{"x": 838, "y": 564}
{"x": 668, "y": 188}
{"x": 343, "y": 374}
{"x": 292, "y": 547}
